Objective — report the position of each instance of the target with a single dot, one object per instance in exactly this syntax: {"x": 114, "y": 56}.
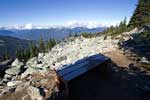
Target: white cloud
{"x": 88, "y": 24}
{"x": 20, "y": 27}
{"x": 69, "y": 24}
{"x": 28, "y": 26}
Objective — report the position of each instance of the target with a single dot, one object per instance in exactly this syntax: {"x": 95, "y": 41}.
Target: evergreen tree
{"x": 41, "y": 45}
{"x": 85, "y": 35}
{"x": 70, "y": 35}
{"x": 33, "y": 50}
{"x": 51, "y": 43}
{"x": 18, "y": 54}
{"x": 141, "y": 14}
{"x": 26, "y": 54}
{"x": 123, "y": 26}
{"x": 116, "y": 30}
{"x": 75, "y": 35}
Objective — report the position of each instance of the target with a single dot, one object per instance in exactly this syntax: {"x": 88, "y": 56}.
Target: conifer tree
{"x": 33, "y": 50}
{"x": 141, "y": 15}
{"x": 41, "y": 45}
{"x": 18, "y": 54}
{"x": 51, "y": 43}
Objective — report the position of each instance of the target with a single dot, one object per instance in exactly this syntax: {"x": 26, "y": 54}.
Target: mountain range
{"x": 57, "y": 33}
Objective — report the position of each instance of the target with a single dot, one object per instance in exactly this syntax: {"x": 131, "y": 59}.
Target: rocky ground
{"x": 37, "y": 80}
{"x": 36, "y": 76}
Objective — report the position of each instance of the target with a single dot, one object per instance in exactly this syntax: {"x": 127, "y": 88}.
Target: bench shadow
{"x": 118, "y": 84}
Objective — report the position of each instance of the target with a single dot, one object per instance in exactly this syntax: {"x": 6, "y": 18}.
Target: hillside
{"x": 10, "y": 45}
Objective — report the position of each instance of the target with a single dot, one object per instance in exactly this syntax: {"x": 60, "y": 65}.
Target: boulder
{"x": 6, "y": 62}
{"x": 144, "y": 60}
{"x": 6, "y": 76}
{"x": 32, "y": 62}
{"x": 13, "y": 83}
{"x": 32, "y": 70}
{"x": 13, "y": 71}
{"x": 16, "y": 63}
{"x": 29, "y": 71}
{"x": 34, "y": 93}
{"x": 4, "y": 81}
{"x": 61, "y": 58}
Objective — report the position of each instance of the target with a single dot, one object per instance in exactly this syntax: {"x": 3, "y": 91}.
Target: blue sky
{"x": 58, "y": 12}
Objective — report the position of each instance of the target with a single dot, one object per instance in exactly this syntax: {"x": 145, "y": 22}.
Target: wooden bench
{"x": 79, "y": 68}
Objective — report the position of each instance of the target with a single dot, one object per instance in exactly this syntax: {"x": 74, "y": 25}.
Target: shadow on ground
{"x": 120, "y": 84}
{"x": 138, "y": 45}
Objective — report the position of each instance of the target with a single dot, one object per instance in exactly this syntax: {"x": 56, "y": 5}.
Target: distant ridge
{"x": 57, "y": 33}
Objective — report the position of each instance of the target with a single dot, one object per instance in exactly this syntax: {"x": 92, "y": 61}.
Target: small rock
{"x": 6, "y": 76}
{"x": 40, "y": 55}
{"x": 39, "y": 65}
{"x": 34, "y": 93}
{"x": 14, "y": 83}
{"x": 5, "y": 81}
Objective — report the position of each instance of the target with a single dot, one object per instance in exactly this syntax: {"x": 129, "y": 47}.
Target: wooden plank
{"x": 76, "y": 73}
{"x": 72, "y": 68}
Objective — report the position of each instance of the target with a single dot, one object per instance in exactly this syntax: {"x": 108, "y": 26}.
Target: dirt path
{"x": 119, "y": 58}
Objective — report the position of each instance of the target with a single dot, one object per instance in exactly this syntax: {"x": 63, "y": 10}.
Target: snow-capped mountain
{"x": 70, "y": 24}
